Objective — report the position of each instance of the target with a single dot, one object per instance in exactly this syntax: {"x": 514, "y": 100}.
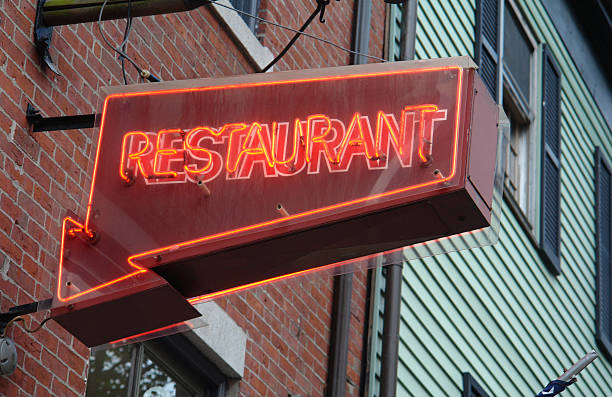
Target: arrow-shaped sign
{"x": 209, "y": 186}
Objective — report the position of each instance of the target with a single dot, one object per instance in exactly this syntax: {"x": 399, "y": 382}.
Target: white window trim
{"x": 257, "y": 53}
{"x": 221, "y": 340}
{"x": 533, "y": 141}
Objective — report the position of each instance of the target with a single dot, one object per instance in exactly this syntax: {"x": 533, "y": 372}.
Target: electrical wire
{"x": 320, "y": 9}
{"x": 126, "y": 36}
{"x": 145, "y": 74}
{"x": 338, "y": 46}
{"x": 117, "y": 50}
{"x": 22, "y": 319}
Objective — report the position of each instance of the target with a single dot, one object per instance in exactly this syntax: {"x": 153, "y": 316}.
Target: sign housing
{"x": 206, "y": 187}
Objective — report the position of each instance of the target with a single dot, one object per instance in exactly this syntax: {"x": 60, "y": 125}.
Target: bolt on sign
{"x": 206, "y": 187}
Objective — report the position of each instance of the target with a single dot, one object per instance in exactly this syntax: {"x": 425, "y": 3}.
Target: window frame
{"x": 260, "y": 55}
{"x": 604, "y": 341}
{"x": 526, "y": 109}
{"x": 181, "y": 360}
{"x": 530, "y": 216}
{"x": 253, "y": 8}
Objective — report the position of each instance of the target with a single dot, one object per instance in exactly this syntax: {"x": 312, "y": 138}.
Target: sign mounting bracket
{"x": 40, "y": 123}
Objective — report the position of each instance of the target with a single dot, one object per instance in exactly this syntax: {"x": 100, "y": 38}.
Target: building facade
{"x": 499, "y": 320}
{"x": 272, "y": 340}
{"x": 509, "y": 317}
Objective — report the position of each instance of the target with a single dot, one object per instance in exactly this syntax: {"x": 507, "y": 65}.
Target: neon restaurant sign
{"x": 208, "y": 187}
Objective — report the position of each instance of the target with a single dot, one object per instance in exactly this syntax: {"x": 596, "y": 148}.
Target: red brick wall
{"x": 45, "y": 174}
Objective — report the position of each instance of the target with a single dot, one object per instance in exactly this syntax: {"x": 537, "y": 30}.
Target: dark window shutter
{"x": 471, "y": 388}
{"x": 395, "y": 32}
{"x": 551, "y": 117}
{"x": 486, "y": 51}
{"x": 603, "y": 198}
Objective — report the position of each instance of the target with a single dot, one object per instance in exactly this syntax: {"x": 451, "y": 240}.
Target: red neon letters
{"x": 201, "y": 153}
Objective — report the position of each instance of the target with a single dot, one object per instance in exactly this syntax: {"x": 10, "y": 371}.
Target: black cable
{"x": 152, "y": 78}
{"x": 320, "y": 9}
{"x": 126, "y": 36}
{"x": 23, "y": 320}
{"x": 117, "y": 50}
{"x": 143, "y": 73}
{"x": 297, "y": 31}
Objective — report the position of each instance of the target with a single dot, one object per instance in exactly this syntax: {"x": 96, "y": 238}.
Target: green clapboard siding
{"x": 488, "y": 310}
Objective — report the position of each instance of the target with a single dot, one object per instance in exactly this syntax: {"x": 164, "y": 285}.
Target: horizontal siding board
{"x": 480, "y": 344}
{"x": 539, "y": 282}
{"x": 445, "y": 14}
{"x": 436, "y": 46}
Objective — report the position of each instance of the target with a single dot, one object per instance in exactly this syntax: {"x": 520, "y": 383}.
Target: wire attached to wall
{"x": 126, "y": 36}
{"x": 23, "y": 319}
{"x": 321, "y": 4}
{"x": 299, "y": 32}
{"x": 121, "y": 49}
{"x": 145, "y": 74}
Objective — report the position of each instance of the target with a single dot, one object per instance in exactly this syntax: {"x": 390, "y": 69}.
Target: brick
{"x": 25, "y": 242}
{"x": 48, "y": 339}
{"x": 11, "y": 249}
{"x": 76, "y": 383}
{"x": 8, "y": 292}
{"x": 7, "y": 186}
{"x": 36, "y": 173}
{"x": 13, "y": 51}
{"x": 6, "y": 224}
{"x": 38, "y": 371}
{"x": 57, "y": 174}
{"x": 45, "y": 174}
{"x": 43, "y": 199}
{"x": 58, "y": 369}
{"x": 32, "y": 208}
{"x": 26, "y": 383}
{"x": 25, "y": 282}
{"x": 73, "y": 360}
{"x": 59, "y": 389}
{"x": 8, "y": 147}
{"x": 30, "y": 266}
{"x": 42, "y": 392}
{"x": 64, "y": 160}
{"x": 27, "y": 342}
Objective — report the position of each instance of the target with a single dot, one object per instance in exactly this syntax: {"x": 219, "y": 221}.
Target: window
{"x": 508, "y": 59}
{"x": 243, "y": 28}
{"x": 513, "y": 70}
{"x": 603, "y": 202}
{"x": 249, "y": 6}
{"x": 471, "y": 388}
{"x": 517, "y": 101}
{"x": 165, "y": 367}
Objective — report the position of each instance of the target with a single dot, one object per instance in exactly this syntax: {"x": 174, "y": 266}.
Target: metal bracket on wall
{"x": 5, "y": 318}
{"x": 40, "y": 123}
{"x": 42, "y": 38}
